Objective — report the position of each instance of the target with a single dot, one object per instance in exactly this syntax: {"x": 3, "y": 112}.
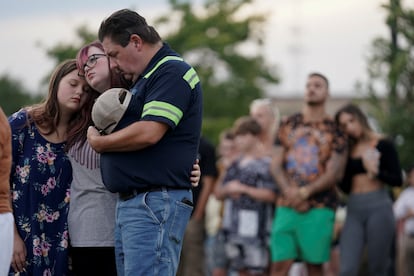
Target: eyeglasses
{"x": 90, "y": 62}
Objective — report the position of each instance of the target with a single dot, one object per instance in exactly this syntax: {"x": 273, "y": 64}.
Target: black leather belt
{"x": 123, "y": 196}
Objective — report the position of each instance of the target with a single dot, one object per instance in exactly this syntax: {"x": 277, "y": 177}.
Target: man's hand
{"x": 92, "y": 136}
{"x": 302, "y": 206}
{"x": 296, "y": 199}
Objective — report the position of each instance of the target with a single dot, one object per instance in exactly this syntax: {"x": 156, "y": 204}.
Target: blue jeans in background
{"x": 149, "y": 232}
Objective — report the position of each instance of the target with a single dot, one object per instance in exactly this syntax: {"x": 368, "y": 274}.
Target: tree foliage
{"x": 224, "y": 46}
{"x": 224, "y": 43}
{"x": 13, "y": 95}
{"x": 391, "y": 65}
{"x": 64, "y": 51}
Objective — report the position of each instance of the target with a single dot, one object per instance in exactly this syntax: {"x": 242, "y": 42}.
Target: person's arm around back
{"x": 334, "y": 173}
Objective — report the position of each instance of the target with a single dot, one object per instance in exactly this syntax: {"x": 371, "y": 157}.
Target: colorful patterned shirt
{"x": 308, "y": 147}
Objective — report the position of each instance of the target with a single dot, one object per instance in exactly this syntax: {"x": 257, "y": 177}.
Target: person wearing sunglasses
{"x": 92, "y": 211}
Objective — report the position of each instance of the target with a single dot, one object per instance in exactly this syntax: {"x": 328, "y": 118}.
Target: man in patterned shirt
{"x": 309, "y": 160}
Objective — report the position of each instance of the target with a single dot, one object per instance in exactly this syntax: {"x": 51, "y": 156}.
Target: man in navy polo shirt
{"x": 149, "y": 156}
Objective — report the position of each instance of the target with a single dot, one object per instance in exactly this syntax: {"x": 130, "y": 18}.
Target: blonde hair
{"x": 274, "y": 110}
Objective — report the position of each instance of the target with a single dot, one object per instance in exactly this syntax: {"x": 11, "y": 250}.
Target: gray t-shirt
{"x": 92, "y": 207}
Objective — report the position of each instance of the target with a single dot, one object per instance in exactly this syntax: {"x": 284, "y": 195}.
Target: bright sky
{"x": 301, "y": 36}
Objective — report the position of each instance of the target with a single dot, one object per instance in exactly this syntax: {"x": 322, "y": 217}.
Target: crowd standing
{"x": 317, "y": 184}
{"x": 61, "y": 120}
{"x": 133, "y": 210}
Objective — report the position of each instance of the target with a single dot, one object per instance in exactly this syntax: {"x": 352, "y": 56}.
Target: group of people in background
{"x": 318, "y": 163}
{"x": 128, "y": 202}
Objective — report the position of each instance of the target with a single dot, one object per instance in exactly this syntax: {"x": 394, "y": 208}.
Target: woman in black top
{"x": 372, "y": 164}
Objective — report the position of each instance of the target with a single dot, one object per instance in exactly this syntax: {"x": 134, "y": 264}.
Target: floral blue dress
{"x": 40, "y": 183}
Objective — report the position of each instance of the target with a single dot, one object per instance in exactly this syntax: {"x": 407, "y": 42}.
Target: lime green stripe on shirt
{"x": 191, "y": 78}
{"x": 165, "y": 59}
{"x": 163, "y": 109}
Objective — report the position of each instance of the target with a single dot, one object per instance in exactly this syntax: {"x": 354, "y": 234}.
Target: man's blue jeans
{"x": 149, "y": 232}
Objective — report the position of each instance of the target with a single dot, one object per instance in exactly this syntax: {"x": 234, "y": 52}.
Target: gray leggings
{"x": 369, "y": 221}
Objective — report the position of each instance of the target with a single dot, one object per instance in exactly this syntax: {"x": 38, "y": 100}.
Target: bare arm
{"x": 136, "y": 136}
{"x": 235, "y": 189}
{"x": 333, "y": 174}
{"x": 219, "y": 190}
{"x": 260, "y": 194}
{"x": 278, "y": 171}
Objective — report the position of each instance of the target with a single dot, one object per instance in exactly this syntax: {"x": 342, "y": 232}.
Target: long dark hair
{"x": 47, "y": 114}
{"x": 357, "y": 113}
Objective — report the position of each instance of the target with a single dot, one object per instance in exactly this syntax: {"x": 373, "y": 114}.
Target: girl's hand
{"x": 195, "y": 174}
{"x": 370, "y": 161}
{"x": 19, "y": 254}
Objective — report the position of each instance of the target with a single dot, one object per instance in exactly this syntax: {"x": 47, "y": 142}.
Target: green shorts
{"x": 302, "y": 236}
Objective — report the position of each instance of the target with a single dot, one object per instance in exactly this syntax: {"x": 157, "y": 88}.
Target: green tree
{"x": 226, "y": 50}
{"x": 62, "y": 51}
{"x": 13, "y": 95}
{"x": 224, "y": 47}
{"x": 391, "y": 65}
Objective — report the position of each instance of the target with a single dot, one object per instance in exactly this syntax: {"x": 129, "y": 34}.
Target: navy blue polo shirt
{"x": 169, "y": 92}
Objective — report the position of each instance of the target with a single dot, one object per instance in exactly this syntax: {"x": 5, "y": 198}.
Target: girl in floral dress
{"x": 41, "y": 172}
